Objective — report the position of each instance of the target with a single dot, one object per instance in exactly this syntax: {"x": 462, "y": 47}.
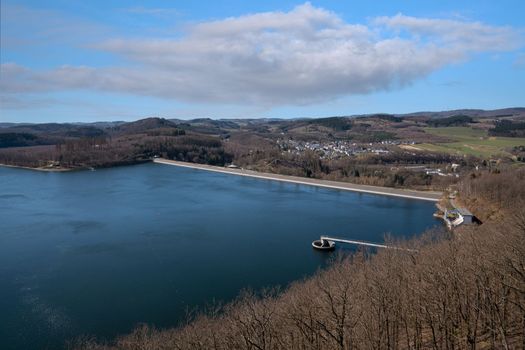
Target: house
{"x": 466, "y": 215}
{"x": 458, "y": 216}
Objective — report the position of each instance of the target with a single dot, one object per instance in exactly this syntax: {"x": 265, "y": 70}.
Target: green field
{"x": 468, "y": 141}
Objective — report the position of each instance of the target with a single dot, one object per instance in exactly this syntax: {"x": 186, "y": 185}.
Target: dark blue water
{"x": 100, "y": 252}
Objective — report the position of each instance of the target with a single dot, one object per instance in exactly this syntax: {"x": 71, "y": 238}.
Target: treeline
{"x": 74, "y": 153}
{"x": 460, "y": 291}
{"x": 335, "y": 123}
{"x": 508, "y": 128}
{"x": 495, "y": 194}
{"x": 387, "y": 117}
{"x": 21, "y": 139}
{"x": 75, "y": 146}
{"x": 123, "y": 150}
{"x": 389, "y": 170}
{"x": 57, "y": 129}
{"x": 374, "y": 136}
{"x": 455, "y": 120}
{"x": 188, "y": 148}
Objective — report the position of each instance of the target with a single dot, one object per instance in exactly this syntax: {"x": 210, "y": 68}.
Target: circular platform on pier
{"x": 323, "y": 244}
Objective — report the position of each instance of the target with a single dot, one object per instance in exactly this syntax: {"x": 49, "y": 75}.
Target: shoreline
{"x": 80, "y": 168}
{"x": 345, "y": 186}
{"x": 48, "y": 170}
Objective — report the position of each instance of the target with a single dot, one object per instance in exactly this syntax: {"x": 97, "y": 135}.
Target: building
{"x": 466, "y": 215}
{"x": 458, "y": 216}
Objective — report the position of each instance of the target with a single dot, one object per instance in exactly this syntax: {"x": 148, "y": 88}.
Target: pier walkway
{"x": 364, "y": 243}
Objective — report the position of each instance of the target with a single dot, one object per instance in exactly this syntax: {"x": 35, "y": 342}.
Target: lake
{"x": 99, "y": 252}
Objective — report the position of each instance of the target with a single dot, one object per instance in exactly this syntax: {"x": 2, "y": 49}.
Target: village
{"x": 338, "y": 149}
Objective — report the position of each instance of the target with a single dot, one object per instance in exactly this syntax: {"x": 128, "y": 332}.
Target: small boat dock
{"x": 362, "y": 243}
{"x": 454, "y": 215}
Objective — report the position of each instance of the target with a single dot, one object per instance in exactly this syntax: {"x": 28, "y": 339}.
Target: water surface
{"x": 100, "y": 252}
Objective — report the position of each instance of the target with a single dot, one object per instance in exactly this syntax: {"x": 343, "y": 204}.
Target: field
{"x": 468, "y": 141}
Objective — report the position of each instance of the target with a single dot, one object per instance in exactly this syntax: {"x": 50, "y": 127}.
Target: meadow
{"x": 469, "y": 141}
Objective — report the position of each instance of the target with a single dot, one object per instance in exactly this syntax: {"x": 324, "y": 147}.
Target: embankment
{"x": 395, "y": 192}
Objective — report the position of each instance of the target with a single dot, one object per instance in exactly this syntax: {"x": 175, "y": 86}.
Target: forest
{"x": 455, "y": 120}
{"x": 63, "y": 146}
{"x": 508, "y": 128}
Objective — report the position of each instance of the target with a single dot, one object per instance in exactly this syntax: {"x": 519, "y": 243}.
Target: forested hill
{"x": 415, "y": 150}
{"x": 72, "y": 146}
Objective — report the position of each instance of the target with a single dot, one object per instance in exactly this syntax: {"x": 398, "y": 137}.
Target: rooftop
{"x": 464, "y": 212}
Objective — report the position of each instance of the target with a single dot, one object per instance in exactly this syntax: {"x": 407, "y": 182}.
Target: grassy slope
{"x": 468, "y": 141}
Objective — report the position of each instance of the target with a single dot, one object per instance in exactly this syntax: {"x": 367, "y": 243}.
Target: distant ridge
{"x": 155, "y": 122}
{"x": 480, "y": 113}
{"x": 145, "y": 124}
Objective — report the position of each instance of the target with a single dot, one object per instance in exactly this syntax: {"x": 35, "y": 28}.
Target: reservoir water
{"x": 99, "y": 252}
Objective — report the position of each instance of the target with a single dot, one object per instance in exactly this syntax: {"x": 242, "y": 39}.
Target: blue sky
{"x": 125, "y": 60}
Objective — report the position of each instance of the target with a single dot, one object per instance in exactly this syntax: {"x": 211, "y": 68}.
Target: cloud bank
{"x": 304, "y": 56}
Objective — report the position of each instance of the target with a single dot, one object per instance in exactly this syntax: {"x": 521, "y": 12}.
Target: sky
{"x": 86, "y": 61}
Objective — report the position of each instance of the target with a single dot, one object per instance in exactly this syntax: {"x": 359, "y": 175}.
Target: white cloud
{"x": 303, "y": 56}
{"x": 458, "y": 35}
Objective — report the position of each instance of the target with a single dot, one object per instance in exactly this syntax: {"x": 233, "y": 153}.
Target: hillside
{"x": 74, "y": 146}
{"x": 416, "y": 150}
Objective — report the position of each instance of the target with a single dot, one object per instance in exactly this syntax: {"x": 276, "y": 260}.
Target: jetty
{"x": 363, "y": 243}
{"x": 345, "y": 186}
